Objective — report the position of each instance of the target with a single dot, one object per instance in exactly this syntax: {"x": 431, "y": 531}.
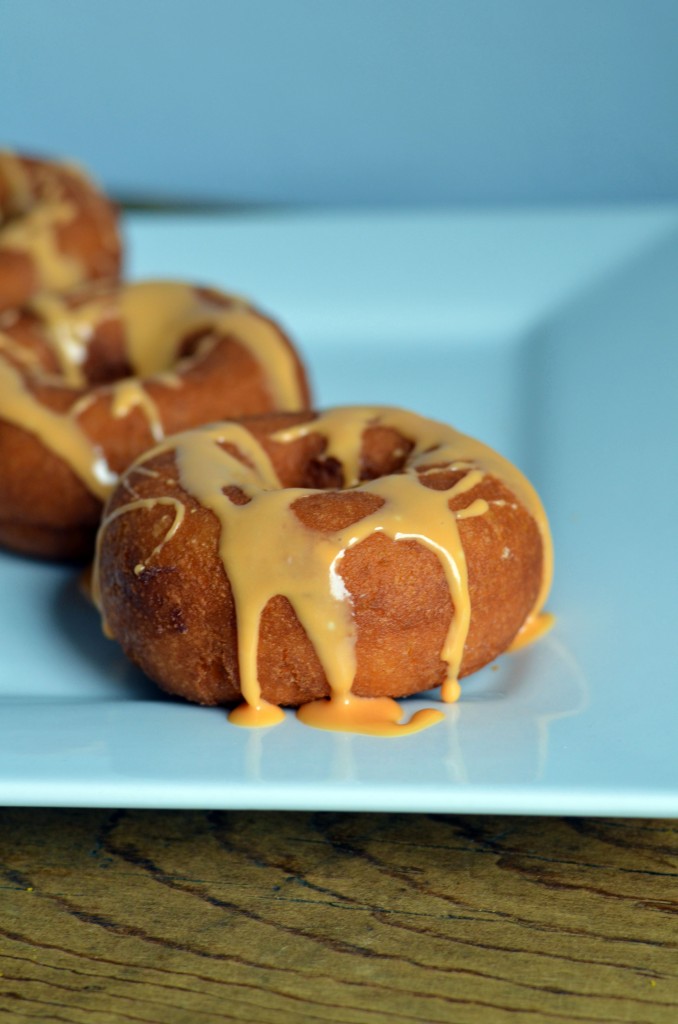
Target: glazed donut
{"x": 57, "y": 230}
{"x": 89, "y": 381}
{"x": 290, "y": 558}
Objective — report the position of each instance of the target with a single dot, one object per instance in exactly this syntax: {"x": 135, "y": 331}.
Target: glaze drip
{"x": 36, "y": 234}
{"x": 267, "y": 550}
{"x": 155, "y": 320}
{"x": 32, "y": 225}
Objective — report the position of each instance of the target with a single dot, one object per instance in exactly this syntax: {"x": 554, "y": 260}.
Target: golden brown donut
{"x": 57, "y": 230}
{"x": 90, "y": 380}
{"x": 360, "y": 552}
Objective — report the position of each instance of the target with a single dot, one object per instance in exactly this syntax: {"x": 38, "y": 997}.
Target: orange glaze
{"x": 157, "y": 316}
{"x": 296, "y": 562}
{"x": 97, "y": 429}
{"x": 370, "y": 716}
{"x": 534, "y": 629}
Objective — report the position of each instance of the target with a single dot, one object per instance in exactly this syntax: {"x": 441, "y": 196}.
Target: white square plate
{"x": 553, "y": 336}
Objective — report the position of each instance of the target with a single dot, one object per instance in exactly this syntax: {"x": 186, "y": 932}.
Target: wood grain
{"x": 188, "y": 918}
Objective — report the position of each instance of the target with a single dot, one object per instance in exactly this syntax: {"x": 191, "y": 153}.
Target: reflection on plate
{"x": 549, "y": 336}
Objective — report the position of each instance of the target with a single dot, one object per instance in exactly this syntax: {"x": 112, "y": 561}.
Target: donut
{"x": 57, "y": 230}
{"x": 326, "y": 561}
{"x": 90, "y": 380}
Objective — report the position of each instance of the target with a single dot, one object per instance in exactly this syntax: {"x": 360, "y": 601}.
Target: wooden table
{"x": 193, "y": 917}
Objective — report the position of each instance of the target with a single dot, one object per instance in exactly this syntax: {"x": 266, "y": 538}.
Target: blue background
{"x": 360, "y": 102}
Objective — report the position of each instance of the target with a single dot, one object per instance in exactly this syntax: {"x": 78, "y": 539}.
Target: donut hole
{"x": 324, "y": 474}
{"x": 106, "y": 360}
{"x": 82, "y": 337}
{"x": 302, "y": 462}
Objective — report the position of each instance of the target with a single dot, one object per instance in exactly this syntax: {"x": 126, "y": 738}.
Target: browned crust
{"x": 176, "y": 618}
{"x": 39, "y": 492}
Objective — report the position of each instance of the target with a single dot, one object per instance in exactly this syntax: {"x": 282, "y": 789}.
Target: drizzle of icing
{"x": 179, "y": 513}
{"x": 60, "y": 433}
{"x": 158, "y": 315}
{"x": 39, "y": 198}
{"x": 305, "y": 566}
{"x": 70, "y": 331}
{"x": 18, "y": 353}
{"x": 36, "y": 233}
{"x": 533, "y": 629}
{"x": 130, "y": 394}
{"x": 156, "y": 318}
